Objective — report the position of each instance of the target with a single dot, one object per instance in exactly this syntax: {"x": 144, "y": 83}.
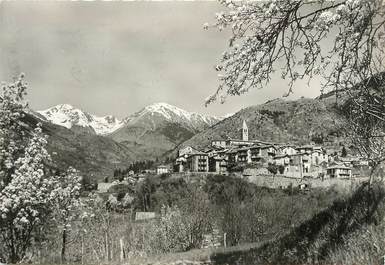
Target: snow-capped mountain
{"x": 156, "y": 113}
{"x": 149, "y": 117}
{"x": 68, "y": 116}
{"x": 159, "y": 128}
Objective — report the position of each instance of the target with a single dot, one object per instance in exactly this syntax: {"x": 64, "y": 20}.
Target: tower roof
{"x": 244, "y": 125}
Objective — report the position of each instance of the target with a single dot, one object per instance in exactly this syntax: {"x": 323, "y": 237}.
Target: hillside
{"x": 347, "y": 232}
{"x": 148, "y": 133}
{"x": 297, "y": 121}
{"x": 159, "y": 128}
{"x": 93, "y": 155}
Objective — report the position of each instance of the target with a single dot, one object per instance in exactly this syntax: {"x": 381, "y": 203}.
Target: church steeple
{"x": 245, "y": 131}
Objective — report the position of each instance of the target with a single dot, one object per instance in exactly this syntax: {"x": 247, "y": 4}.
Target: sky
{"x": 117, "y": 57}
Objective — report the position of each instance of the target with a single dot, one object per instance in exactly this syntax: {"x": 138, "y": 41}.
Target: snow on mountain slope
{"x": 149, "y": 117}
{"x": 158, "y": 112}
{"x": 68, "y": 116}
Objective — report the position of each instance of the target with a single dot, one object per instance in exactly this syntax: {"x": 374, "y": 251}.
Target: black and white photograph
{"x": 182, "y": 132}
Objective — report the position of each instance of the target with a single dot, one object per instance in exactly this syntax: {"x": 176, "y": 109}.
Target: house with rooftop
{"x": 197, "y": 162}
{"x": 161, "y": 169}
{"x": 339, "y": 171}
{"x": 297, "y": 161}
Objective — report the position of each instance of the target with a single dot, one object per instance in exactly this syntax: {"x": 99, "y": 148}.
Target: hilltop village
{"x": 308, "y": 161}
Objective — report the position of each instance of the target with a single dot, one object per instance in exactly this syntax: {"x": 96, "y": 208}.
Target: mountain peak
{"x": 171, "y": 113}
{"x": 68, "y": 116}
{"x": 64, "y": 107}
{"x": 163, "y": 106}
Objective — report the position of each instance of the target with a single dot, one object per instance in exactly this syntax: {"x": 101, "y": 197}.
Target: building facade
{"x": 197, "y": 162}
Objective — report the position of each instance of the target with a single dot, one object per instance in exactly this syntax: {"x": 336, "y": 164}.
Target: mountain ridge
{"x": 297, "y": 121}
{"x": 69, "y": 116}
{"x": 160, "y": 127}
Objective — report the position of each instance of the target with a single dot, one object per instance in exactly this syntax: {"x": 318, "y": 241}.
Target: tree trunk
{"x": 82, "y": 250}
{"x": 63, "y": 246}
{"x": 106, "y": 245}
{"x": 374, "y": 167}
{"x": 121, "y": 250}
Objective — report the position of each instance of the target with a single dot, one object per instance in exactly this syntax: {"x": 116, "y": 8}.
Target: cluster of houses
{"x": 289, "y": 160}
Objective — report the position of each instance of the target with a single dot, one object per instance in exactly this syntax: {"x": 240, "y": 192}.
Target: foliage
{"x": 11, "y": 136}
{"x": 25, "y": 199}
{"x": 155, "y": 192}
{"x": 292, "y": 36}
{"x": 29, "y": 192}
{"x": 365, "y": 246}
{"x": 137, "y": 167}
{"x": 365, "y": 111}
{"x": 95, "y": 235}
{"x": 331, "y": 236}
{"x": 318, "y": 139}
{"x": 344, "y": 153}
{"x": 89, "y": 183}
{"x": 281, "y": 169}
{"x": 171, "y": 231}
{"x": 275, "y": 115}
{"x": 273, "y": 168}
{"x": 235, "y": 167}
{"x": 289, "y": 36}
{"x": 66, "y": 202}
{"x": 223, "y": 189}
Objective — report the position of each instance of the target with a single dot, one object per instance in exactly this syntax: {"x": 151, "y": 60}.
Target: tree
{"x": 344, "y": 153}
{"x": 12, "y": 138}
{"x": 65, "y": 200}
{"x": 365, "y": 111}
{"x": 97, "y": 226}
{"x": 273, "y": 168}
{"x": 29, "y": 192}
{"x": 24, "y": 200}
{"x": 290, "y": 36}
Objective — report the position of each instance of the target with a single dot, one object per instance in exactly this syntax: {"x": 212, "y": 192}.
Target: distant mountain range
{"x": 68, "y": 116}
{"x": 151, "y": 117}
{"x": 98, "y": 145}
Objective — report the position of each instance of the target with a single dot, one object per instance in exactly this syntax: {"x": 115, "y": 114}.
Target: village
{"x": 307, "y": 161}
{"x": 265, "y": 164}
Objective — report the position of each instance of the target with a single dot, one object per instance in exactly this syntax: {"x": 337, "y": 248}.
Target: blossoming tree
{"x": 66, "y": 204}
{"x": 290, "y": 36}
{"x": 29, "y": 193}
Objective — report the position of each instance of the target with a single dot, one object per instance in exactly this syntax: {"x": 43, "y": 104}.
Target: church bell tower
{"x": 245, "y": 131}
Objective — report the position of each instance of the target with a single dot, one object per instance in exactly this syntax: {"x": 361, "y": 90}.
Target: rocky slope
{"x": 297, "y": 121}
{"x": 95, "y": 156}
{"x": 159, "y": 128}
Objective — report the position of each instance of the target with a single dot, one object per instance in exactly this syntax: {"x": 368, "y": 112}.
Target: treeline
{"x": 136, "y": 167}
